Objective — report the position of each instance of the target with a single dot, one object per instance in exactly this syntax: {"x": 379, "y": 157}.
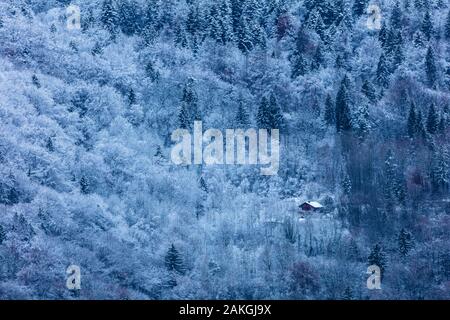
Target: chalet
{"x": 310, "y": 206}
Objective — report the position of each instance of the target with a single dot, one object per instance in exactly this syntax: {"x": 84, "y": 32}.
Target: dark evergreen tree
{"x": 432, "y": 120}
{"x": 49, "y": 145}
{"x": 276, "y": 114}
{"x": 128, "y": 17}
{"x": 174, "y": 261}
{"x": 184, "y": 121}
{"x": 360, "y": 7}
{"x": 383, "y": 72}
{"x": 299, "y": 66}
{"x": 151, "y": 73}
{"x": 343, "y": 116}
{"x": 430, "y": 68}
{"x": 412, "y": 121}
{"x": 405, "y": 242}
{"x": 368, "y": 90}
{"x": 35, "y": 81}
{"x": 396, "y": 17}
{"x": 329, "y": 115}
{"x": 242, "y": 119}
{"x": 427, "y": 26}
{"x": 202, "y": 184}
{"x": 440, "y": 171}
{"x": 378, "y": 258}
{"x": 110, "y": 17}
{"x": 318, "y": 59}
{"x": 131, "y": 97}
{"x": 84, "y": 185}
{"x": 447, "y": 27}
{"x": 263, "y": 117}
{"x": 2, "y": 235}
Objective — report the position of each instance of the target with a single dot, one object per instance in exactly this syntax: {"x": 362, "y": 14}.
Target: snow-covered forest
{"x": 86, "y": 178}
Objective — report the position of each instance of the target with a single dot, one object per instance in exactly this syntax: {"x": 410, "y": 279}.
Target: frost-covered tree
{"x": 342, "y": 108}
{"x": 174, "y": 261}
{"x": 378, "y": 258}
{"x": 430, "y": 67}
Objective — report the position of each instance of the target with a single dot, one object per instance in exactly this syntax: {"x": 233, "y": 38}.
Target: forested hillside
{"x": 86, "y": 177}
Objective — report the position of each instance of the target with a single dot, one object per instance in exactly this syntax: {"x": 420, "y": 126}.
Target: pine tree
{"x": 412, "y": 121}
{"x": 299, "y": 66}
{"x": 131, "y": 97}
{"x": 343, "y": 116}
{"x": 184, "y": 121}
{"x": 203, "y": 185}
{"x": 151, "y": 73}
{"x": 383, "y": 72}
{"x": 318, "y": 59}
{"x": 420, "y": 127}
{"x": 263, "y": 117}
{"x": 378, "y": 258}
{"x": 427, "y": 26}
{"x": 430, "y": 68}
{"x": 2, "y": 235}
{"x": 242, "y": 118}
{"x": 369, "y": 91}
{"x": 276, "y": 115}
{"x": 35, "y": 81}
{"x": 329, "y": 115}
{"x": 440, "y": 171}
{"x": 84, "y": 186}
{"x": 405, "y": 242}
{"x": 396, "y": 17}
{"x": 348, "y": 294}
{"x": 360, "y": 7}
{"x": 127, "y": 17}
{"x": 109, "y": 17}
{"x": 174, "y": 261}
{"x": 158, "y": 157}
{"x": 432, "y": 120}
{"x": 447, "y": 27}
{"x": 49, "y": 145}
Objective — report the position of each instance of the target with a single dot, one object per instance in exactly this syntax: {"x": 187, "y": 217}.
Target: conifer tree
{"x": 329, "y": 115}
{"x": 430, "y": 68}
{"x": 396, "y": 16}
{"x": 35, "y": 81}
{"x": 383, "y": 72}
{"x": 242, "y": 117}
{"x": 84, "y": 186}
{"x": 109, "y": 16}
{"x": 369, "y": 91}
{"x": 263, "y": 117}
{"x": 299, "y": 66}
{"x": 412, "y": 121}
{"x": 427, "y": 26}
{"x": 405, "y": 242}
{"x": 447, "y": 27}
{"x": 360, "y": 7}
{"x": 174, "y": 261}
{"x": 378, "y": 258}
{"x": 343, "y": 116}
{"x": 2, "y": 235}
{"x": 432, "y": 120}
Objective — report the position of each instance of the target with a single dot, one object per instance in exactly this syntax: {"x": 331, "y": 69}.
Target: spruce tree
{"x": 427, "y": 26}
{"x": 184, "y": 121}
{"x": 49, "y": 145}
{"x": 369, "y": 91}
{"x": 412, "y": 121}
{"x": 35, "y": 81}
{"x": 2, "y": 235}
{"x": 432, "y": 120}
{"x": 263, "y": 116}
{"x": 342, "y": 109}
{"x": 202, "y": 184}
{"x": 174, "y": 261}
{"x": 329, "y": 115}
{"x": 360, "y": 7}
{"x": 396, "y": 17}
{"x": 383, "y": 72}
{"x": 242, "y": 119}
{"x": 447, "y": 27}
{"x": 84, "y": 186}
{"x": 318, "y": 59}
{"x": 378, "y": 258}
{"x": 430, "y": 68}
{"x": 109, "y": 16}
{"x": 299, "y": 66}
{"x": 405, "y": 242}
{"x": 276, "y": 114}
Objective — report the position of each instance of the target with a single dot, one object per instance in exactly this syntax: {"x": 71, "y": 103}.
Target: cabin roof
{"x": 313, "y": 204}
